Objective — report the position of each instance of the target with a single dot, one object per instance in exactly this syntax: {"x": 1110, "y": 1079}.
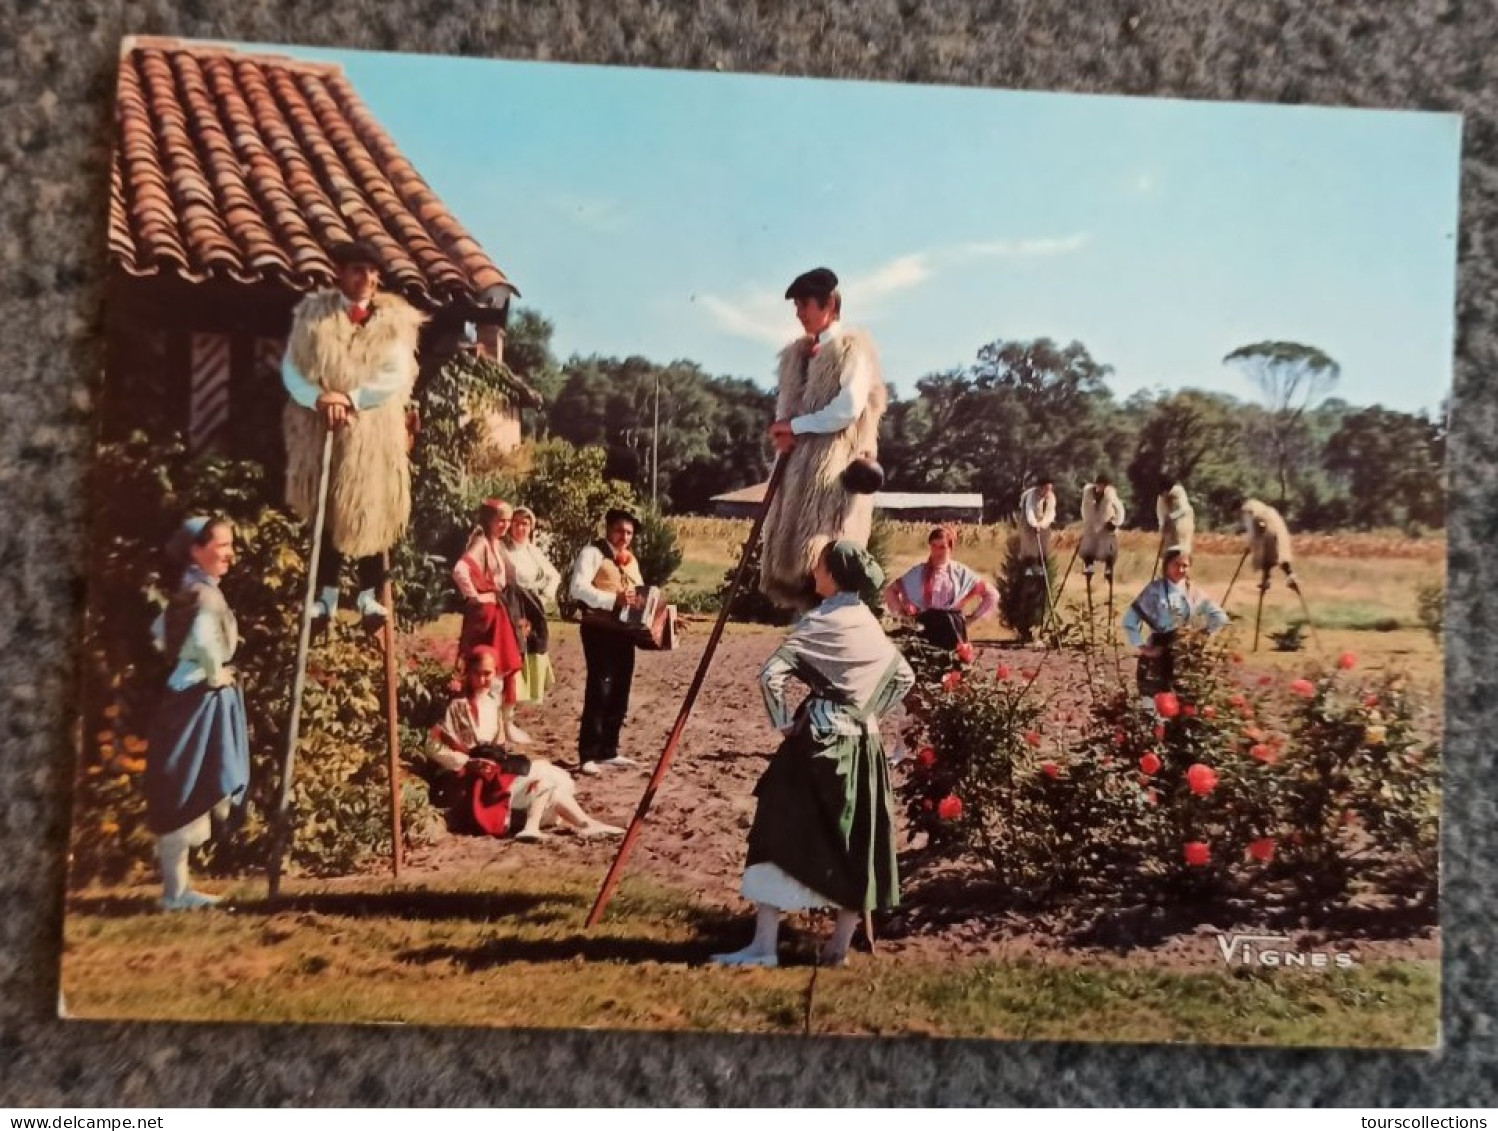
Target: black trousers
{"x": 610, "y": 657}
{"x": 371, "y": 569}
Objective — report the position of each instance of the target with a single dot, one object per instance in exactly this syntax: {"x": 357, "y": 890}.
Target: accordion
{"x": 652, "y": 625}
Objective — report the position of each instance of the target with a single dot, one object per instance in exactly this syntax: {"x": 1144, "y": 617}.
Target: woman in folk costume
{"x": 536, "y": 581}
{"x": 935, "y": 592}
{"x": 830, "y": 400}
{"x": 824, "y": 829}
{"x": 350, "y": 367}
{"x": 490, "y": 613}
{"x": 469, "y": 740}
{"x": 1167, "y": 606}
{"x": 198, "y": 755}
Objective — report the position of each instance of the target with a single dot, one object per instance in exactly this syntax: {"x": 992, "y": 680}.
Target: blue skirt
{"x": 199, "y": 754}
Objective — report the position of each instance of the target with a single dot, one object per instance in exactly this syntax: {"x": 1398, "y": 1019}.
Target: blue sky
{"x": 663, "y": 213}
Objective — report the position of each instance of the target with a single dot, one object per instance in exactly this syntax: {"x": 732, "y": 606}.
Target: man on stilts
{"x": 830, "y": 400}
{"x": 349, "y": 369}
{"x": 1102, "y": 515}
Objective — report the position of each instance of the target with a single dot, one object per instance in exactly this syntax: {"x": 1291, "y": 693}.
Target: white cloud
{"x": 897, "y": 275}
{"x": 1035, "y": 248}
{"x": 764, "y": 316}
{"x": 759, "y": 318}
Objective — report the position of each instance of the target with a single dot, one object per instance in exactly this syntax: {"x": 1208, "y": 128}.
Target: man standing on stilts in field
{"x": 350, "y": 367}
{"x": 830, "y": 400}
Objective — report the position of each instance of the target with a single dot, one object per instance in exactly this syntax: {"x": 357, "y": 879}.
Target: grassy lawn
{"x": 369, "y": 950}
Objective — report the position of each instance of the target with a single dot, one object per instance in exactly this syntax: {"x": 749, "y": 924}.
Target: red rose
{"x": 950, "y": 681}
{"x": 1201, "y": 778}
{"x": 1167, "y": 705}
{"x": 965, "y": 652}
{"x": 1028, "y": 673}
{"x": 1150, "y": 763}
{"x": 949, "y": 808}
{"x": 1107, "y": 761}
{"x": 1050, "y": 769}
{"x": 1153, "y": 797}
{"x": 1032, "y": 737}
{"x": 1265, "y": 680}
{"x": 1188, "y": 710}
{"x": 926, "y": 757}
{"x": 1371, "y": 701}
{"x": 1004, "y": 671}
{"x": 1262, "y": 849}
{"x": 1197, "y": 853}
{"x": 1238, "y": 701}
{"x": 1264, "y": 753}
{"x": 1347, "y": 661}
{"x": 1304, "y": 688}
{"x": 1209, "y": 712}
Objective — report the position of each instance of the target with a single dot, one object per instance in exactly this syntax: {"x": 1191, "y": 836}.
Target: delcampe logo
{"x": 1275, "y": 950}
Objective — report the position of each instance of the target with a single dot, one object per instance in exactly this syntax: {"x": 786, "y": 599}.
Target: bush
{"x": 1431, "y": 605}
{"x": 141, "y": 492}
{"x": 1322, "y": 788}
{"x": 657, "y": 548}
{"x": 1024, "y": 597}
{"x": 567, "y": 489}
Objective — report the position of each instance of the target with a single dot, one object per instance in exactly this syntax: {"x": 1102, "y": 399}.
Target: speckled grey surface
{"x": 56, "y": 75}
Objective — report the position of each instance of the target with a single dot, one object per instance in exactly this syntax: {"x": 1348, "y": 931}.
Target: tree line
{"x": 1021, "y": 409}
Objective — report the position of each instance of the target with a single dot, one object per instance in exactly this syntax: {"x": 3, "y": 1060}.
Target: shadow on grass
{"x": 413, "y": 905}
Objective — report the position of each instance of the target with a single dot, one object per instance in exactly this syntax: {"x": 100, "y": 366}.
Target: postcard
{"x": 582, "y": 547}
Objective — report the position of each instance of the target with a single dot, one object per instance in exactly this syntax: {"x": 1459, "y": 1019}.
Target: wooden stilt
{"x": 392, "y": 729}
{"x": 281, "y": 819}
{"x": 668, "y": 753}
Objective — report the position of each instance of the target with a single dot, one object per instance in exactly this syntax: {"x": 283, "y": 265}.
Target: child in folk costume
{"x": 470, "y": 743}
{"x": 1165, "y": 607}
{"x": 536, "y": 581}
{"x": 830, "y": 400}
{"x": 824, "y": 829}
{"x": 1102, "y": 515}
{"x": 198, "y": 754}
{"x": 349, "y": 369}
{"x": 605, "y": 580}
{"x": 934, "y": 592}
{"x": 490, "y": 612}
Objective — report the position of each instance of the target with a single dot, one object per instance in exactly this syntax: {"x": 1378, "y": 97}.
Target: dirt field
{"x": 694, "y": 839}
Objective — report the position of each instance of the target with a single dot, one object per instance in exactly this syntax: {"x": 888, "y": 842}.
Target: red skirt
{"x": 491, "y": 625}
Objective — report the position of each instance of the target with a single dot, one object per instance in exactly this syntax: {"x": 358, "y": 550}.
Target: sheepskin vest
{"x": 1271, "y": 546}
{"x": 1177, "y": 519}
{"x": 812, "y": 506}
{"x": 1097, "y": 540}
{"x": 369, "y": 492}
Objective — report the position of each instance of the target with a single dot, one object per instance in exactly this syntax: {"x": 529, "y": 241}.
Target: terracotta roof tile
{"x": 250, "y": 167}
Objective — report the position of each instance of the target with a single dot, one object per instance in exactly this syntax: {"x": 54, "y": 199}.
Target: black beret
{"x": 816, "y": 283}
{"x": 863, "y": 476}
{"x": 357, "y": 251}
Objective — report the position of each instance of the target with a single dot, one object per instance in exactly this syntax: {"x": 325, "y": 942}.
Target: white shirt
{"x": 851, "y": 400}
{"x": 585, "y": 568}
{"x": 1039, "y": 512}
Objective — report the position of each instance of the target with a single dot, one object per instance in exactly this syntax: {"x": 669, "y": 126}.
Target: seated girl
{"x": 498, "y": 784}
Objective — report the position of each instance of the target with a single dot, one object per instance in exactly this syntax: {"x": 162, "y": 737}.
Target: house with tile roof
{"x": 233, "y": 174}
